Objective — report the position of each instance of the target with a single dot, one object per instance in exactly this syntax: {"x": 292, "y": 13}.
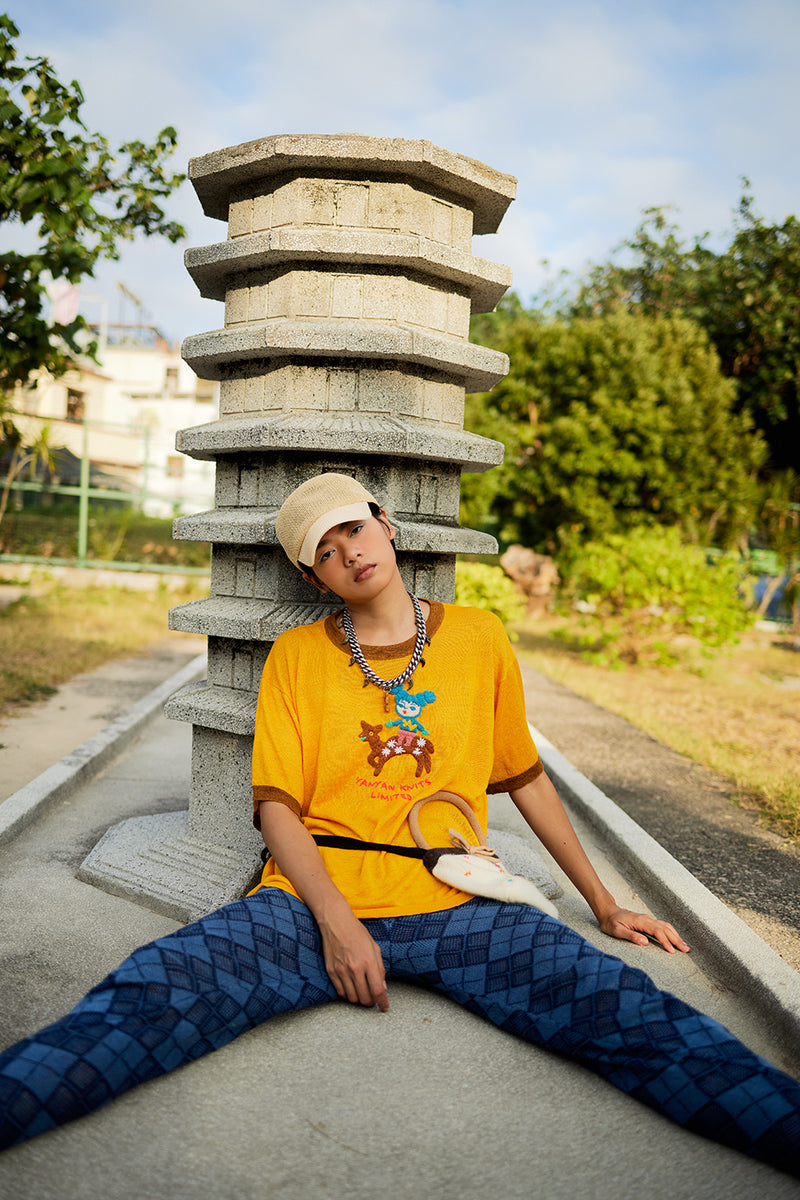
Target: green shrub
{"x": 480, "y": 586}
{"x": 646, "y": 596}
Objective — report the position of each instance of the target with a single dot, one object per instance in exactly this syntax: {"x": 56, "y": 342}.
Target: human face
{"x": 408, "y": 708}
{"x": 355, "y": 559}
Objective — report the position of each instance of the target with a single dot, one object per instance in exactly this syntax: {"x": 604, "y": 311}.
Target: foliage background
{"x": 659, "y": 389}
{"x": 611, "y": 422}
{"x": 80, "y": 197}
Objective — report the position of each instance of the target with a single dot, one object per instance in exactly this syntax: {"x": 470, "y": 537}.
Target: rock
{"x": 536, "y": 575}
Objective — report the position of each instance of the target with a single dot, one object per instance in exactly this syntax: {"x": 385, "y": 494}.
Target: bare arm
{"x": 352, "y": 958}
{"x": 541, "y": 807}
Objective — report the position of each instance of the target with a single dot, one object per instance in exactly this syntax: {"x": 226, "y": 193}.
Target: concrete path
{"x": 343, "y": 1102}
{"x": 37, "y": 735}
{"x": 687, "y": 808}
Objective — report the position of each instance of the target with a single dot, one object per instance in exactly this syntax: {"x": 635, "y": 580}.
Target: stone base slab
{"x": 156, "y": 862}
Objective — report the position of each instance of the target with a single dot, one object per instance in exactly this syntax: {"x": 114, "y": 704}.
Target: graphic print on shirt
{"x": 411, "y": 736}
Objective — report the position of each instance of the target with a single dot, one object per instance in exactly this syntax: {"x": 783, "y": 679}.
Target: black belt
{"x": 346, "y": 843}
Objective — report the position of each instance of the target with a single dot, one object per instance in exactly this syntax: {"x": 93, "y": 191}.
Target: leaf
{"x": 82, "y": 198}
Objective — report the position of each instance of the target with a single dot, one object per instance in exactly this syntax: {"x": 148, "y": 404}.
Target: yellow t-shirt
{"x": 325, "y": 746}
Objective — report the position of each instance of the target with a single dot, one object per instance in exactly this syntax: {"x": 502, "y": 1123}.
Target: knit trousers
{"x": 195, "y": 990}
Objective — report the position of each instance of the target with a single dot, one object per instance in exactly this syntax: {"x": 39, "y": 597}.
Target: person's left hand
{"x": 639, "y": 929}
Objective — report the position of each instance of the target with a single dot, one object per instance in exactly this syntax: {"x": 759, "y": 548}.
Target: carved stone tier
{"x": 225, "y": 270}
{"x": 348, "y": 280}
{"x": 344, "y": 434}
{"x": 423, "y": 168}
{"x": 476, "y": 368}
{"x": 256, "y": 526}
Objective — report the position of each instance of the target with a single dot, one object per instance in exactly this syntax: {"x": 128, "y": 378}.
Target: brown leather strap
{"x": 451, "y": 798}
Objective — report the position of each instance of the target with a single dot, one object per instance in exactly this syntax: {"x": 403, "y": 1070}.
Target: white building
{"x": 126, "y": 411}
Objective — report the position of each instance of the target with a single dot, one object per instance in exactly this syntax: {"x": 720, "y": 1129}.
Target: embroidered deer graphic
{"x": 402, "y": 742}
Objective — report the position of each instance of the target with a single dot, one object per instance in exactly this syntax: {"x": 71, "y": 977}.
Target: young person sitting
{"x": 392, "y": 701}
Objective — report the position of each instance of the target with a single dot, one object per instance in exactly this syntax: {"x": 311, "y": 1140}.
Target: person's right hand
{"x": 354, "y": 962}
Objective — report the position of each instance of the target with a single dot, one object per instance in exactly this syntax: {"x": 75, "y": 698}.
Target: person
{"x": 396, "y": 707}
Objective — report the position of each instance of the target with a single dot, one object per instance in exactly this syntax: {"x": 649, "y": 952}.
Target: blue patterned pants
{"x": 193, "y": 991}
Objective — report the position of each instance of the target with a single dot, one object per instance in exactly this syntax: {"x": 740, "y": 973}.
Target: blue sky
{"x": 601, "y": 108}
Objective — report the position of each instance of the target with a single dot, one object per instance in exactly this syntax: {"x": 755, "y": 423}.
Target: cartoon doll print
{"x": 411, "y": 736}
{"x": 408, "y": 707}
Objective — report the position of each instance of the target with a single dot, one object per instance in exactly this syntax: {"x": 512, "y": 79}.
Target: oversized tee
{"x": 352, "y": 761}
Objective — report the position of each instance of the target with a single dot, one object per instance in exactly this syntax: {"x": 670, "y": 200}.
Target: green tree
{"x": 617, "y": 421}
{"x": 662, "y": 274}
{"x": 744, "y": 297}
{"x": 752, "y": 315}
{"x": 82, "y": 198}
{"x": 507, "y": 414}
{"x": 779, "y": 526}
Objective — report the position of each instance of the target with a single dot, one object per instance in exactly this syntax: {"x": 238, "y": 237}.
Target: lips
{"x": 364, "y": 572}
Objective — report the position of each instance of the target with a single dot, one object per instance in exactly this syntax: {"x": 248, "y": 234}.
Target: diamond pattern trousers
{"x": 193, "y": 991}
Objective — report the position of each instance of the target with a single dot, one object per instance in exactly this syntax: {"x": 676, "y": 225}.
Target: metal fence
{"x": 135, "y": 496}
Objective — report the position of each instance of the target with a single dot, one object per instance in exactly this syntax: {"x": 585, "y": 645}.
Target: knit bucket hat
{"x": 314, "y": 508}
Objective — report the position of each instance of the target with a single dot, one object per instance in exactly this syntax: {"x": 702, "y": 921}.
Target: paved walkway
{"x": 688, "y": 809}
{"x": 38, "y": 735}
{"x": 341, "y": 1101}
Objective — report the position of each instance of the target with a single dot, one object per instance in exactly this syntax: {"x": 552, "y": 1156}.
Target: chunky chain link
{"x": 370, "y": 676}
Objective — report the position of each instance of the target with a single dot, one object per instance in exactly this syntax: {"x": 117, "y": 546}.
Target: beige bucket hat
{"x": 315, "y": 507}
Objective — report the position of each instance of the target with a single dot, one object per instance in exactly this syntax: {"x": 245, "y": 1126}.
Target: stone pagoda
{"x": 348, "y": 280}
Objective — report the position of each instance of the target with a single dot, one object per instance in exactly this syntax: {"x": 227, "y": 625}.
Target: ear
{"x": 312, "y": 579}
{"x": 384, "y": 520}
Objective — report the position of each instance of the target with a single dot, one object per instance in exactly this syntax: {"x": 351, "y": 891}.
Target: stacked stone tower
{"x": 348, "y": 280}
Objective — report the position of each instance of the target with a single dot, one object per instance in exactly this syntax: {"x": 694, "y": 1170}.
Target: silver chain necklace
{"x": 370, "y": 676}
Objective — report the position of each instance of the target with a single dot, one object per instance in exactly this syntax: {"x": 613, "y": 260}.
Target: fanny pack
{"x": 473, "y": 869}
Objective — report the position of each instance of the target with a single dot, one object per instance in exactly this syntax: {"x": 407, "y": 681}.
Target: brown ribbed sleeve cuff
{"x": 517, "y": 781}
{"x": 261, "y": 793}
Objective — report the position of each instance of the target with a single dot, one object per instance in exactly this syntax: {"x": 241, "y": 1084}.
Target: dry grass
{"x": 54, "y": 632}
{"x": 740, "y": 715}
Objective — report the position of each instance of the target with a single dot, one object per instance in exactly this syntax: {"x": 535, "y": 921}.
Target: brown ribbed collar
{"x": 337, "y": 637}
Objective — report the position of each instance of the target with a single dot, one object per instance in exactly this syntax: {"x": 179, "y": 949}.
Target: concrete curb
{"x": 748, "y": 966}
{"x": 81, "y": 764}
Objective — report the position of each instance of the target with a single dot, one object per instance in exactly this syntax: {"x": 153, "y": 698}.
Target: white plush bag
{"x": 474, "y": 869}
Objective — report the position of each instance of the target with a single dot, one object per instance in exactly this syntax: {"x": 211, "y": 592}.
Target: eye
{"x": 324, "y": 556}
{"x": 357, "y": 528}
